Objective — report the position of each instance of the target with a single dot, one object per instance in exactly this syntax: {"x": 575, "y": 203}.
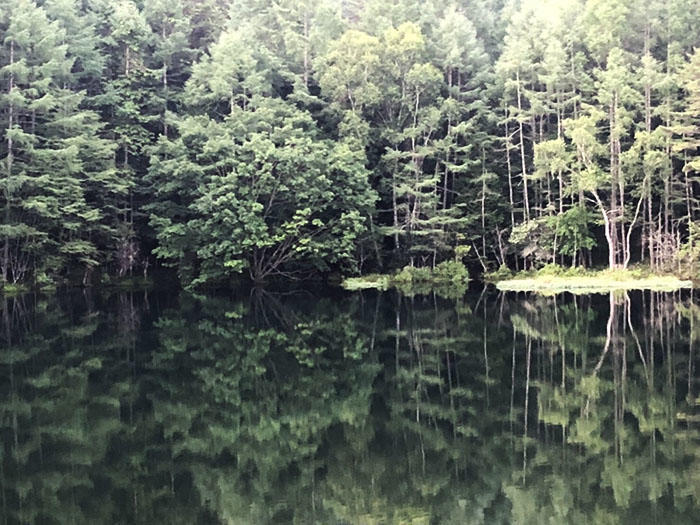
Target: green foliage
{"x": 60, "y": 186}
{"x": 410, "y": 275}
{"x": 688, "y": 257}
{"x": 535, "y": 238}
{"x": 447, "y": 279}
{"x": 573, "y": 232}
{"x": 401, "y": 134}
{"x": 270, "y": 196}
{"x": 450, "y": 271}
{"x": 503, "y": 273}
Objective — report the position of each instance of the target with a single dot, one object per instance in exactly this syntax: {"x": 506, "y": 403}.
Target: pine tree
{"x": 130, "y": 107}
{"x": 59, "y": 178}
{"x": 171, "y": 53}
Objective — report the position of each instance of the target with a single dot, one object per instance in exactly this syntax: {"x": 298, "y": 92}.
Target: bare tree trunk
{"x": 559, "y": 173}
{"x": 667, "y": 191}
{"x": 447, "y": 153}
{"x": 6, "y": 247}
{"x": 510, "y": 172}
{"x": 447, "y": 158}
{"x": 165, "y": 87}
{"x": 688, "y": 191}
{"x": 511, "y": 198}
{"x": 647, "y": 127}
{"x": 608, "y": 230}
{"x": 615, "y": 185}
{"x": 306, "y": 47}
{"x": 395, "y": 212}
{"x": 650, "y": 230}
{"x": 626, "y": 239}
{"x": 526, "y": 200}
{"x": 483, "y": 201}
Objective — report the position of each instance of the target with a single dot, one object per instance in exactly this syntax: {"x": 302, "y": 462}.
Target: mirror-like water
{"x": 350, "y": 408}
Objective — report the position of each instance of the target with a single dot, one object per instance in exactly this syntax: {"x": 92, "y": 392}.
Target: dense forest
{"x": 293, "y": 138}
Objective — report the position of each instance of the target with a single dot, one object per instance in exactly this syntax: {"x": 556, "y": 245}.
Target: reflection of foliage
{"x": 260, "y": 399}
{"x": 620, "y": 410}
{"x": 375, "y": 408}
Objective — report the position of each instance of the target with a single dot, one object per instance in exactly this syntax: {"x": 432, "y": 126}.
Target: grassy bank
{"x": 554, "y": 279}
{"x": 448, "y": 279}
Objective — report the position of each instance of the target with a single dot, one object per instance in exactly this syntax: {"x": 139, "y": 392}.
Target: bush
{"x": 448, "y": 279}
{"x": 550, "y": 270}
{"x": 503, "y": 273}
{"x": 451, "y": 271}
{"x": 412, "y": 274}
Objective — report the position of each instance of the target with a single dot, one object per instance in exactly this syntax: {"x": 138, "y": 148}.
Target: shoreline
{"x": 590, "y": 281}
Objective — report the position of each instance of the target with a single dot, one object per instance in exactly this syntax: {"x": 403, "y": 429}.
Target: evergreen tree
{"x": 59, "y": 180}
{"x": 512, "y": 133}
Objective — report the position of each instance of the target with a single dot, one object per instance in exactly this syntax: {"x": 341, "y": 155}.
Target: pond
{"x": 321, "y": 406}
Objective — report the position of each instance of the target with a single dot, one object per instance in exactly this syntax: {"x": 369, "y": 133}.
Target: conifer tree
{"x": 60, "y": 185}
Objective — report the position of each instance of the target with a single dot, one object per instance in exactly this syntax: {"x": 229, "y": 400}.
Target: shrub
{"x": 448, "y": 279}
{"x": 413, "y": 274}
{"x": 550, "y": 269}
{"x": 503, "y": 273}
{"x": 450, "y": 271}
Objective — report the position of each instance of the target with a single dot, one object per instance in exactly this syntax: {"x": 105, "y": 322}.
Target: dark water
{"x": 325, "y": 407}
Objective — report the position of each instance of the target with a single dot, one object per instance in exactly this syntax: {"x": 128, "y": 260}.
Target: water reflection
{"x": 364, "y": 408}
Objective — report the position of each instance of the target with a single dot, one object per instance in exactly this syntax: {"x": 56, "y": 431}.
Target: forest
{"x": 251, "y": 139}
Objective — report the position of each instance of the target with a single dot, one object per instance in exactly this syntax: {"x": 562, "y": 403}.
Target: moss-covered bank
{"x": 554, "y": 279}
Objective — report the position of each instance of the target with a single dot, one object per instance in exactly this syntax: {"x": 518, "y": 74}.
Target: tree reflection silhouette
{"x": 349, "y": 408}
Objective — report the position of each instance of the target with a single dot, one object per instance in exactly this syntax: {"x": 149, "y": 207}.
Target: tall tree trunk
{"x": 483, "y": 201}
{"x": 394, "y": 206}
{"x": 526, "y": 200}
{"x": 667, "y": 192}
{"x": 8, "y": 196}
{"x": 647, "y": 127}
{"x": 688, "y": 191}
{"x": 306, "y": 46}
{"x": 447, "y": 152}
{"x": 510, "y": 171}
{"x": 609, "y": 237}
{"x": 650, "y": 229}
{"x": 559, "y": 173}
{"x": 615, "y": 183}
{"x": 165, "y": 88}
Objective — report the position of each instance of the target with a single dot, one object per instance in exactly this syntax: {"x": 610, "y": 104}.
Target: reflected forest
{"x": 154, "y": 407}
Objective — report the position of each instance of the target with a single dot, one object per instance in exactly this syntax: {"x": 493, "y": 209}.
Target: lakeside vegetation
{"x": 448, "y": 279}
{"x": 555, "y": 279}
{"x": 303, "y": 139}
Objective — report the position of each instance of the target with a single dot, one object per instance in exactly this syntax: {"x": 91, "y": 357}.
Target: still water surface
{"x": 333, "y": 408}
